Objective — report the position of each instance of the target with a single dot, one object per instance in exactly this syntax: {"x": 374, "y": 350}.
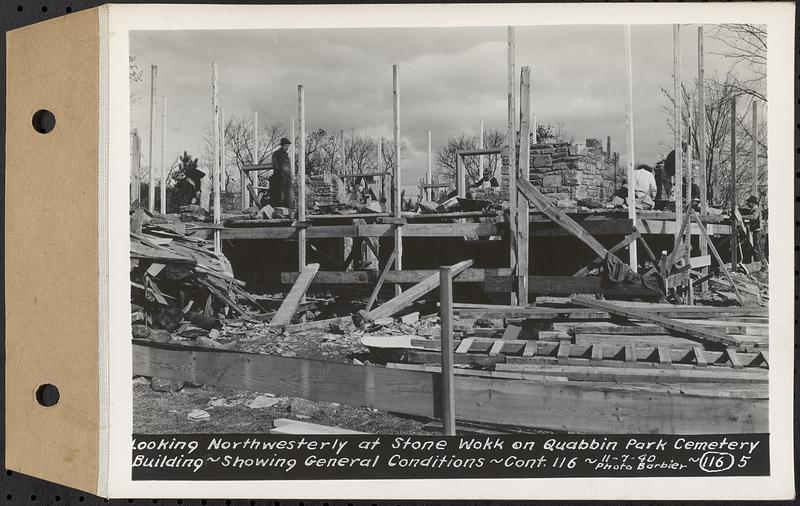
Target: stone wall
{"x": 567, "y": 173}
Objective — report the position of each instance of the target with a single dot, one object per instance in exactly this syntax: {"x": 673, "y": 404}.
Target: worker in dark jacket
{"x": 754, "y": 215}
{"x": 280, "y": 182}
{"x": 669, "y": 173}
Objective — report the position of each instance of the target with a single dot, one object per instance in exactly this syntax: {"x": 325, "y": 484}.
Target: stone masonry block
{"x": 542, "y": 161}
{"x": 551, "y": 180}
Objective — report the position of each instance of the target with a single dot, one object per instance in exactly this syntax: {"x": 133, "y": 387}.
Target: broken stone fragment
{"x": 198, "y": 415}
{"x": 410, "y": 318}
{"x": 140, "y": 331}
{"x": 207, "y": 342}
{"x": 160, "y": 336}
{"x": 165, "y": 385}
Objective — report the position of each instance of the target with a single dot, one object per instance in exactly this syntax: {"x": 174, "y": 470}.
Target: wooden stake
{"x": 511, "y": 142}
{"x": 151, "y": 191}
{"x": 163, "y": 185}
{"x": 396, "y": 202}
{"x": 301, "y": 179}
{"x": 633, "y": 257}
{"x": 609, "y": 156}
{"x": 688, "y": 237}
{"x": 136, "y": 163}
{"x": 523, "y": 221}
{"x": 480, "y": 146}
{"x": 701, "y": 144}
{"x": 715, "y": 182}
{"x": 429, "y": 174}
{"x": 221, "y": 150}
{"x": 461, "y": 185}
{"x": 448, "y": 405}
{"x": 677, "y": 119}
{"x": 216, "y": 169}
{"x": 755, "y": 148}
{"x": 734, "y": 226}
{"x": 292, "y": 151}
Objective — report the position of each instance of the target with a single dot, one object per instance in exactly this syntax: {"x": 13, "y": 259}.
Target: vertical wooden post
{"x": 301, "y": 179}
{"x": 448, "y": 405}
{"x": 734, "y": 226}
{"x": 688, "y": 235}
{"x": 511, "y": 141}
{"x": 523, "y": 222}
{"x": 151, "y": 190}
{"x": 755, "y": 148}
{"x": 677, "y": 96}
{"x": 341, "y": 153}
{"x": 461, "y": 184}
{"x": 633, "y": 258}
{"x": 396, "y": 202}
{"x": 136, "y": 163}
{"x": 163, "y": 186}
{"x": 480, "y": 145}
{"x": 609, "y": 156}
{"x": 715, "y": 183}
{"x": 429, "y": 174}
{"x": 215, "y": 142}
{"x": 292, "y": 150}
{"x": 221, "y": 150}
{"x": 701, "y": 145}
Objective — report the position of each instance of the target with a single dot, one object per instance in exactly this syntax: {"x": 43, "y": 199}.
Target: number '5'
{"x": 743, "y": 461}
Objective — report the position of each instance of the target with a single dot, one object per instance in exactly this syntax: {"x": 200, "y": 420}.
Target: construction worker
{"x": 487, "y": 181}
{"x": 753, "y": 214}
{"x": 280, "y": 182}
{"x": 669, "y": 173}
{"x": 644, "y": 183}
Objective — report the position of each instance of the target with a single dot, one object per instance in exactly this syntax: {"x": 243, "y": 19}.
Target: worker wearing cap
{"x": 754, "y": 215}
{"x": 280, "y": 182}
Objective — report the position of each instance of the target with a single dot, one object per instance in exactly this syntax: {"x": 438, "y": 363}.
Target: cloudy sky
{"x": 450, "y": 80}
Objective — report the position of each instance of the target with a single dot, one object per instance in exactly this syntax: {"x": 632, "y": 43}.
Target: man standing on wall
{"x": 280, "y": 182}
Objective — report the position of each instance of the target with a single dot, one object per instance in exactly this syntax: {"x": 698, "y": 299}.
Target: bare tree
{"x": 718, "y": 93}
{"x": 746, "y": 46}
{"x": 445, "y": 157}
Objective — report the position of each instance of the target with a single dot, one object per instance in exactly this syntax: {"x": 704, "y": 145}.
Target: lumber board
{"x": 684, "y": 328}
{"x": 597, "y": 261}
{"x": 379, "y": 283}
{"x": 541, "y": 313}
{"x": 558, "y": 216}
{"x": 590, "y": 408}
{"x": 287, "y": 426}
{"x": 483, "y": 373}
{"x": 410, "y": 276}
{"x": 565, "y": 285}
{"x": 482, "y": 229}
{"x": 512, "y": 332}
{"x": 403, "y": 300}
{"x": 289, "y": 305}
{"x": 614, "y": 374}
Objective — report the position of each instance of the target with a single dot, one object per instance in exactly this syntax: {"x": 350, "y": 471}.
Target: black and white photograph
{"x": 500, "y": 251}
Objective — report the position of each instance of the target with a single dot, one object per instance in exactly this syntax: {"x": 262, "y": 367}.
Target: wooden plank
{"x": 289, "y": 305}
{"x": 664, "y": 356}
{"x": 512, "y": 332}
{"x": 683, "y": 328}
{"x": 633, "y": 262}
{"x": 701, "y": 261}
{"x": 558, "y": 216}
{"x": 542, "y": 313}
{"x": 597, "y": 353}
{"x": 447, "y": 399}
{"x": 590, "y": 373}
{"x": 700, "y": 356}
{"x": 530, "y": 349}
{"x": 524, "y": 165}
{"x": 497, "y": 347}
{"x": 563, "y": 349}
{"x": 629, "y": 353}
{"x": 511, "y": 153}
{"x": 465, "y": 345}
{"x": 565, "y": 285}
{"x": 590, "y": 407}
{"x": 378, "y": 284}
{"x": 403, "y": 300}
{"x": 733, "y": 356}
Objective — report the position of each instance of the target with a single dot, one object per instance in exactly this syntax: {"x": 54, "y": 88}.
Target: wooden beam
{"x": 295, "y": 296}
{"x": 405, "y": 299}
{"x": 565, "y": 285}
{"x": 151, "y": 191}
{"x": 164, "y": 171}
{"x": 479, "y": 152}
{"x": 734, "y": 209}
{"x": 461, "y": 179}
{"x": 585, "y": 407}
{"x": 701, "y": 141}
{"x": 215, "y": 171}
{"x": 718, "y": 258}
{"x": 378, "y": 284}
{"x": 511, "y": 144}
{"x": 429, "y": 173}
{"x": 692, "y": 331}
{"x": 397, "y": 204}
{"x": 636, "y": 375}
{"x": 633, "y": 258}
{"x": 448, "y": 402}
{"x": 301, "y": 176}
{"x": 523, "y": 221}
{"x": 560, "y": 217}
{"x": 754, "y": 154}
{"x": 677, "y": 120}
